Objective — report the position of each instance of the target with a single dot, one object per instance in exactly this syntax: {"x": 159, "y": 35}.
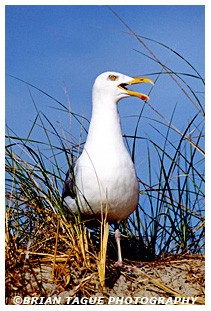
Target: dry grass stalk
{"x": 56, "y": 245}
{"x": 104, "y": 232}
{"x": 101, "y": 264}
{"x": 83, "y": 244}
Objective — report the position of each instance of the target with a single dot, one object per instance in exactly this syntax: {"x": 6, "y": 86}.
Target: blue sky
{"x": 53, "y": 46}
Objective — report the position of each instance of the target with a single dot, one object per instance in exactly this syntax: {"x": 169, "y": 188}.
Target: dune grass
{"x": 168, "y": 220}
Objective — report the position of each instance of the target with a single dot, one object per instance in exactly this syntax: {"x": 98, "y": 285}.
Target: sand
{"x": 173, "y": 280}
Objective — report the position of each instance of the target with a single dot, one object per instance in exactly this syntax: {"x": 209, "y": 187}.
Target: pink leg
{"x": 119, "y": 263}
{"x": 117, "y": 238}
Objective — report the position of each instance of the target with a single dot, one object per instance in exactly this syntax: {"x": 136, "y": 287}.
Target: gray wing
{"x": 68, "y": 195}
{"x": 68, "y": 187}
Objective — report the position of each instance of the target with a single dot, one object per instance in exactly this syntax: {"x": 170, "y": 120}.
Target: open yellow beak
{"x": 136, "y": 81}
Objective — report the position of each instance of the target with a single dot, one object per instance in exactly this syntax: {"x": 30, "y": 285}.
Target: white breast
{"x": 107, "y": 178}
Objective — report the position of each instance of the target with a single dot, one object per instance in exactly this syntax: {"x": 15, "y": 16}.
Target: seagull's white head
{"x": 113, "y": 85}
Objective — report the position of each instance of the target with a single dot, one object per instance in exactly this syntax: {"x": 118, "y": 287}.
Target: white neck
{"x": 105, "y": 126}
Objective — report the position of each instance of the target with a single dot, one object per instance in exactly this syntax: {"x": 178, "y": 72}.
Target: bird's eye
{"x": 113, "y": 77}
